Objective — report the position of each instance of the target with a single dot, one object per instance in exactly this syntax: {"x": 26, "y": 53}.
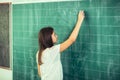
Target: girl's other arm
{"x": 39, "y": 70}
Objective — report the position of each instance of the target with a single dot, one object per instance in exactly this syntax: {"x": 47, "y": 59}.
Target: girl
{"x": 48, "y": 56}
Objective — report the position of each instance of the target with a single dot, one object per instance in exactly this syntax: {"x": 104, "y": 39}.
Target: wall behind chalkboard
{"x": 4, "y": 36}
{"x": 94, "y": 56}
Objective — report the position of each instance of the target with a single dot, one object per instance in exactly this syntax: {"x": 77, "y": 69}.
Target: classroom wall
{"x": 3, "y": 1}
{"x": 94, "y": 56}
{"x": 31, "y": 1}
{"x": 5, "y": 74}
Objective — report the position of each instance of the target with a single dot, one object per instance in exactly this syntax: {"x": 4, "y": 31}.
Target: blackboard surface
{"x": 94, "y": 56}
{"x": 4, "y": 35}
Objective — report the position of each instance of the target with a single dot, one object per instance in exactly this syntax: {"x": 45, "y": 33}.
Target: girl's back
{"x": 51, "y": 69}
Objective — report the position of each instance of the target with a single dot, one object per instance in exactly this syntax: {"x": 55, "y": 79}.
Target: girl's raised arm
{"x": 72, "y": 38}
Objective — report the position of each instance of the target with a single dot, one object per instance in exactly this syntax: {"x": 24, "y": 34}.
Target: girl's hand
{"x": 81, "y": 15}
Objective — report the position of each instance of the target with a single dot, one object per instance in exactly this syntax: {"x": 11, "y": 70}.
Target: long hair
{"x": 45, "y": 41}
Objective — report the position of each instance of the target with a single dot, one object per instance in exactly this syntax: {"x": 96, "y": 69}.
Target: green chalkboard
{"x": 94, "y": 56}
{"x": 4, "y": 36}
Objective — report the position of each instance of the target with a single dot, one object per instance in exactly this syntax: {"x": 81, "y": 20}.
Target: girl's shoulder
{"x": 55, "y": 47}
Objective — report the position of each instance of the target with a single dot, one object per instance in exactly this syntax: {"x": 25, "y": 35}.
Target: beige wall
{"x": 5, "y": 1}
{"x": 5, "y": 74}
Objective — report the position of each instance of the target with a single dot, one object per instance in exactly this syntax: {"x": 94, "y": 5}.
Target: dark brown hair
{"x": 45, "y": 41}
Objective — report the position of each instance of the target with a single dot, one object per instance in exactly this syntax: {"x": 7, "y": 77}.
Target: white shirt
{"x": 51, "y": 69}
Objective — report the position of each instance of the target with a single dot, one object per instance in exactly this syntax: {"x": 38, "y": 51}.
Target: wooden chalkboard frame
{"x": 7, "y": 63}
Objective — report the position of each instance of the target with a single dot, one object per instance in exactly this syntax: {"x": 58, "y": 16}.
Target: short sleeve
{"x": 56, "y": 48}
